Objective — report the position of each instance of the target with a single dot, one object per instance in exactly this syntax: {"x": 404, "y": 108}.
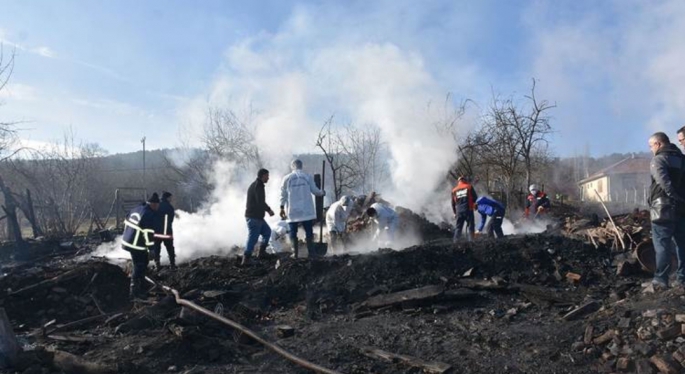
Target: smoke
{"x": 290, "y": 95}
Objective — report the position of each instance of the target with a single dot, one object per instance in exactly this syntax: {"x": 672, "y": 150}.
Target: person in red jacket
{"x": 463, "y": 203}
{"x": 537, "y": 202}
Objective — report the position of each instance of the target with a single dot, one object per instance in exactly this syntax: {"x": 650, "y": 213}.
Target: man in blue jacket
{"x": 492, "y": 215}
{"x": 138, "y": 238}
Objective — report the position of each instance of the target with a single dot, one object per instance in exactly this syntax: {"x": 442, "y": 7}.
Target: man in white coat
{"x": 297, "y": 204}
{"x": 386, "y": 222}
{"x": 336, "y": 221}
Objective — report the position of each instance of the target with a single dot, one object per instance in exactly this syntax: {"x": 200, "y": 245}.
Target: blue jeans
{"x": 308, "y": 230}
{"x": 663, "y": 236}
{"x": 255, "y": 228}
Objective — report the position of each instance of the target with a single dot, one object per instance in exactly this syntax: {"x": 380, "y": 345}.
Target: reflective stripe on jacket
{"x": 139, "y": 229}
{"x": 164, "y": 220}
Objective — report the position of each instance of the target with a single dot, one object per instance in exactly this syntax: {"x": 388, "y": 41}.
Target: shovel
{"x": 321, "y": 248}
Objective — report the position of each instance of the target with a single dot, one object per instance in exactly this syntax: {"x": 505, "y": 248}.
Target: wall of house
{"x": 587, "y": 190}
{"x": 630, "y": 188}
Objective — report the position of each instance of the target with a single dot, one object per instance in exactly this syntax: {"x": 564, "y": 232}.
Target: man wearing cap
{"x": 255, "y": 209}
{"x": 164, "y": 232}
{"x": 138, "y": 238}
{"x": 463, "y": 203}
{"x": 537, "y": 202}
{"x": 297, "y": 204}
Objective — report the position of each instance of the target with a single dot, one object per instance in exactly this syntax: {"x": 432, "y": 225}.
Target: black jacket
{"x": 164, "y": 219}
{"x": 139, "y": 229}
{"x": 668, "y": 176}
{"x": 256, "y": 201}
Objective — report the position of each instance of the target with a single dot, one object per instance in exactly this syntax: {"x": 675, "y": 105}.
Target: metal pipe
{"x": 287, "y": 355}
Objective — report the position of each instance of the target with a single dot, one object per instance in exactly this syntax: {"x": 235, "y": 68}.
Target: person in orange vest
{"x": 463, "y": 203}
{"x": 537, "y": 202}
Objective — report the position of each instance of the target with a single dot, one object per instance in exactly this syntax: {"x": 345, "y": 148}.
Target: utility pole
{"x": 144, "y": 183}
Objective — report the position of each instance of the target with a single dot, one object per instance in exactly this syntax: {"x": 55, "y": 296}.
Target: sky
{"x": 116, "y": 71}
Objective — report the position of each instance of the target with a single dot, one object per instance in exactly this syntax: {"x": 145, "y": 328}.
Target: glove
{"x": 541, "y": 208}
{"x": 282, "y": 214}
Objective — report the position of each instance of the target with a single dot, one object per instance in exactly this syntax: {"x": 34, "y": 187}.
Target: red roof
{"x": 631, "y": 165}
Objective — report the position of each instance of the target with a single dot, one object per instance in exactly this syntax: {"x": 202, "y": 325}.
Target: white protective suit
{"x": 386, "y": 220}
{"x": 336, "y": 216}
{"x": 296, "y": 196}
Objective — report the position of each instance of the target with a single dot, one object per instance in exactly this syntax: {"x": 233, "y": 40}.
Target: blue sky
{"x": 116, "y": 71}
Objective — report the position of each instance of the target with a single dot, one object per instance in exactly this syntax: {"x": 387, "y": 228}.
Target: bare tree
{"x": 532, "y": 128}
{"x": 63, "y": 179}
{"x": 230, "y": 137}
{"x": 332, "y": 145}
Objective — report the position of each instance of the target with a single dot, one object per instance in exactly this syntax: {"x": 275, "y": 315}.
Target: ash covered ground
{"x": 543, "y": 303}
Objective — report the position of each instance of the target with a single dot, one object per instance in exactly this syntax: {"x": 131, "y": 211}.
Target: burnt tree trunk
{"x": 31, "y": 215}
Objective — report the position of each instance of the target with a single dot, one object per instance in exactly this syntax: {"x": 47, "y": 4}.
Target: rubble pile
{"x": 621, "y": 232}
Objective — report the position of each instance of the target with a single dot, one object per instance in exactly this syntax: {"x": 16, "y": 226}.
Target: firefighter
{"x": 463, "y": 203}
{"x": 386, "y": 223}
{"x": 336, "y": 221}
{"x": 492, "y": 216}
{"x": 537, "y": 202}
{"x": 138, "y": 238}
{"x": 164, "y": 233}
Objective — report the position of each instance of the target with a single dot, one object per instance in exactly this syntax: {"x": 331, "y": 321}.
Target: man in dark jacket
{"x": 492, "y": 216}
{"x": 463, "y": 202}
{"x": 164, "y": 232}
{"x": 254, "y": 215}
{"x": 667, "y": 207}
{"x": 139, "y": 229}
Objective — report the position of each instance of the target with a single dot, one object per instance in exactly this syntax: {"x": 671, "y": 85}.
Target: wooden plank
{"x": 583, "y": 310}
{"x": 9, "y": 347}
{"x": 416, "y": 294}
{"x": 426, "y": 366}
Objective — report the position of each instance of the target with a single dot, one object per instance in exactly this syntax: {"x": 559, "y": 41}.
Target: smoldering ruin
{"x": 568, "y": 300}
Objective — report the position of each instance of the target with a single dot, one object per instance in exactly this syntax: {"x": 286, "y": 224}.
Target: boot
{"x": 296, "y": 245}
{"x": 136, "y": 291}
{"x": 311, "y": 251}
{"x": 262, "y": 249}
{"x": 172, "y": 263}
{"x": 247, "y": 260}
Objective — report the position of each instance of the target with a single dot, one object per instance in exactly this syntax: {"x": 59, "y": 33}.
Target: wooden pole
{"x": 620, "y": 237}
{"x": 9, "y": 348}
{"x": 275, "y": 348}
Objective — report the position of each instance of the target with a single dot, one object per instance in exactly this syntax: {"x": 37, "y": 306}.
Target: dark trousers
{"x": 255, "y": 228}
{"x": 468, "y": 219}
{"x": 308, "y": 234}
{"x": 663, "y": 235}
{"x": 308, "y": 230}
{"x": 157, "y": 250}
{"x": 493, "y": 227}
{"x": 140, "y": 260}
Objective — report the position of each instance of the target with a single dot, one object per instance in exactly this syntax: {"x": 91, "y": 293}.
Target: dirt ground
{"x": 495, "y": 307}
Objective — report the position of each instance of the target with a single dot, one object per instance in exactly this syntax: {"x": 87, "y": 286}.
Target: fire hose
{"x": 287, "y": 355}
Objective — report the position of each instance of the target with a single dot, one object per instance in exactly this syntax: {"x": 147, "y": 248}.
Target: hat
{"x": 166, "y": 195}
{"x": 154, "y": 198}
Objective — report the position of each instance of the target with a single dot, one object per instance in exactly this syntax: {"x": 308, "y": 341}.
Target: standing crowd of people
{"x": 149, "y": 226}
